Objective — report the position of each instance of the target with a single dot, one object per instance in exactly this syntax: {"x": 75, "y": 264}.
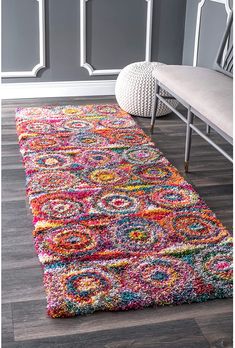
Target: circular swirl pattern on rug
{"x": 60, "y": 208}
{"x": 164, "y": 277}
{"x": 141, "y": 155}
{"x": 99, "y": 158}
{"x": 70, "y": 111}
{"x": 117, "y": 203}
{"x": 197, "y": 228}
{"x": 220, "y": 266}
{"x": 87, "y": 140}
{"x": 87, "y": 285}
{"x": 107, "y": 109}
{"x": 174, "y": 196}
{"x": 127, "y": 137}
{"x": 70, "y": 241}
{"x": 43, "y": 143}
{"x": 216, "y": 264}
{"x": 52, "y": 181}
{"x": 31, "y": 111}
{"x": 105, "y": 176}
{"x": 154, "y": 173}
{"x": 117, "y": 122}
{"x": 38, "y": 127}
{"x": 52, "y": 161}
{"x": 48, "y": 112}
{"x": 77, "y": 125}
{"x": 138, "y": 234}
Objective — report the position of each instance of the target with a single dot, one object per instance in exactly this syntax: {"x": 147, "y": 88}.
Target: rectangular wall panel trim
{"x": 83, "y": 40}
{"x": 42, "y": 62}
{"x": 198, "y": 24}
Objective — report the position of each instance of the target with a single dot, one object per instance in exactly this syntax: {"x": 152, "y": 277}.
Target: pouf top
{"x": 142, "y": 66}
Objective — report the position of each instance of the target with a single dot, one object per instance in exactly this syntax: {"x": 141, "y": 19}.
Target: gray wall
{"x": 213, "y": 22}
{"x": 115, "y": 32}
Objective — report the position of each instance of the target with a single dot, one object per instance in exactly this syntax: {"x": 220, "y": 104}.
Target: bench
{"x": 206, "y": 93}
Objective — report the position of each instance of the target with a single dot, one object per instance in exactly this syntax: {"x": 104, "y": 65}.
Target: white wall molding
{"x": 42, "y": 63}
{"x": 57, "y": 89}
{"x": 83, "y": 40}
{"x": 198, "y": 24}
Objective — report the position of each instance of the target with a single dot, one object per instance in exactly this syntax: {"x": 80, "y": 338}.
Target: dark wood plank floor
{"x": 24, "y": 319}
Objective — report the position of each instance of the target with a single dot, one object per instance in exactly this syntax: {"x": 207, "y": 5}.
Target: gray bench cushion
{"x": 207, "y": 91}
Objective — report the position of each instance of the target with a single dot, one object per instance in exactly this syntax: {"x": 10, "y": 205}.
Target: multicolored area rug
{"x": 116, "y": 225}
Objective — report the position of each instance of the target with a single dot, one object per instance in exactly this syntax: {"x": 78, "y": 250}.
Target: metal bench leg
{"x": 188, "y": 140}
{"x": 208, "y": 129}
{"x": 154, "y": 106}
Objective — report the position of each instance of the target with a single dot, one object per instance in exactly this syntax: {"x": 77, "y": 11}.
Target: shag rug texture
{"x": 116, "y": 226}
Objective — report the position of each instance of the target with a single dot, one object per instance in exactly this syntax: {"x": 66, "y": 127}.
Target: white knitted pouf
{"x": 135, "y": 90}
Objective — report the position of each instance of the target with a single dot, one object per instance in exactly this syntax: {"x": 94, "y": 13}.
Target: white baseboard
{"x": 57, "y": 89}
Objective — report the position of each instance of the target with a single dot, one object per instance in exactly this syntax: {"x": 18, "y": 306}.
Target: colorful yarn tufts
{"x": 116, "y": 225}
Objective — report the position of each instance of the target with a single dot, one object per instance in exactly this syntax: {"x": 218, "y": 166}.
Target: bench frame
{"x": 189, "y": 122}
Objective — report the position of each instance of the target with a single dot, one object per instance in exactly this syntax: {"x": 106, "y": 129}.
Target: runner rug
{"x": 116, "y": 226}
